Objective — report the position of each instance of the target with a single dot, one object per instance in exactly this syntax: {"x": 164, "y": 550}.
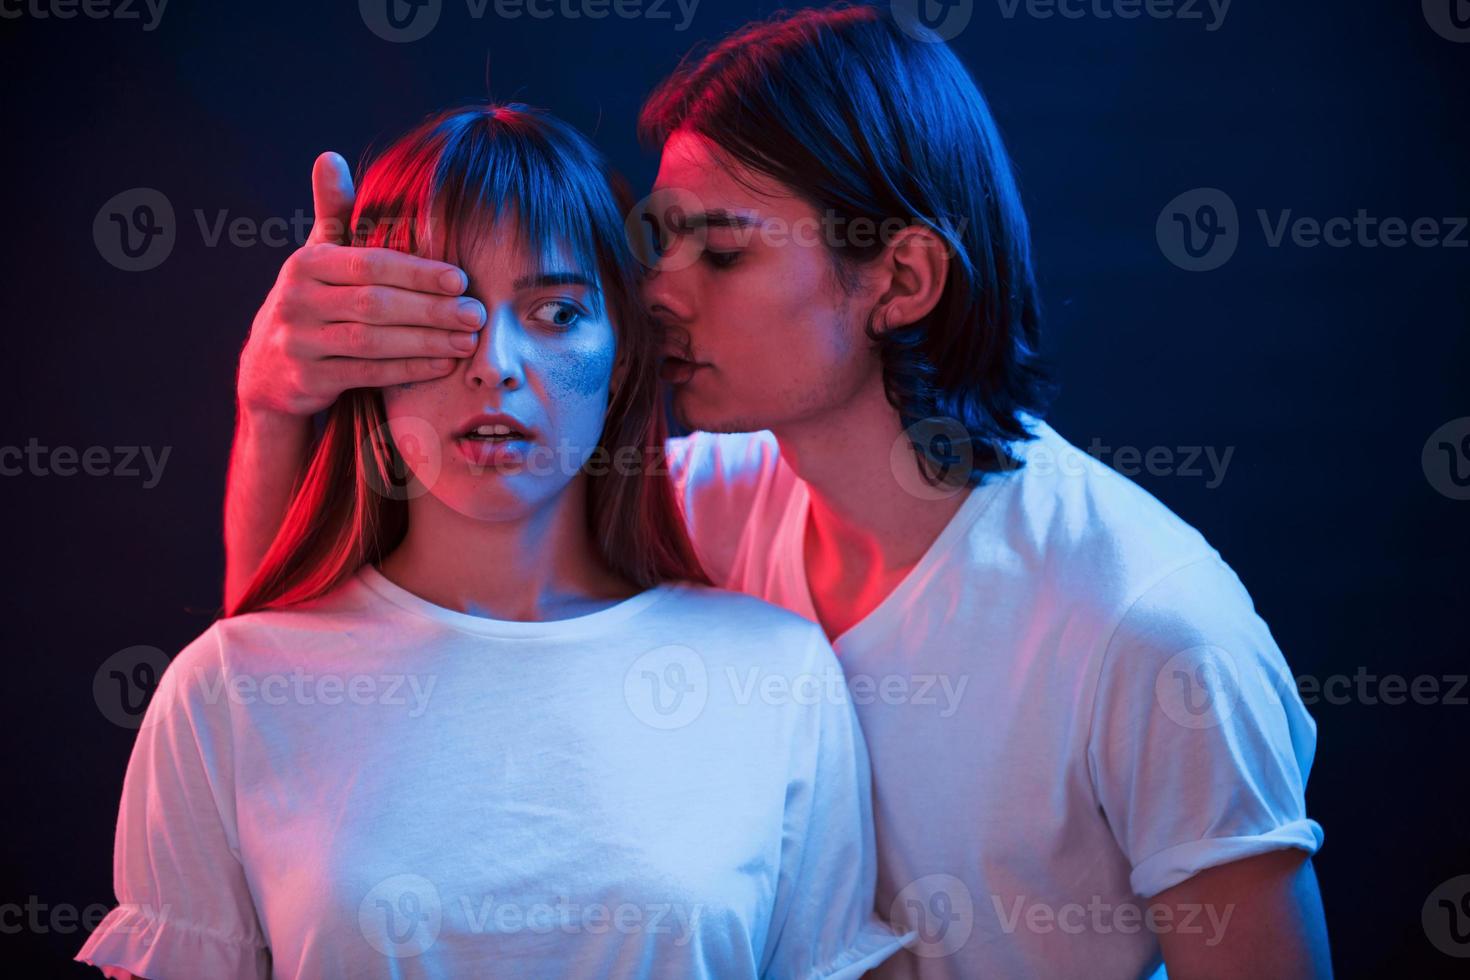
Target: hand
{"x": 340, "y": 317}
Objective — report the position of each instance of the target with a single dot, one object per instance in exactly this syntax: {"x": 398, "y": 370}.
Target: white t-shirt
{"x": 371, "y": 785}
{"x": 1069, "y": 702}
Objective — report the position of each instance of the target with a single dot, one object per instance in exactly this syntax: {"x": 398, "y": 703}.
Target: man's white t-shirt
{"x": 1070, "y": 705}
{"x": 371, "y": 785}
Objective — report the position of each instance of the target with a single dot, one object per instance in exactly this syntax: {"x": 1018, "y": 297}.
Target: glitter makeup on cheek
{"x": 584, "y": 370}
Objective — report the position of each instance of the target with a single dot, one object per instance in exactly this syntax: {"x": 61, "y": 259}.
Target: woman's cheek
{"x": 582, "y": 370}
{"x": 576, "y": 385}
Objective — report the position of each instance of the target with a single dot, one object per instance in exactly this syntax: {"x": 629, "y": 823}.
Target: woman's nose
{"x": 497, "y": 360}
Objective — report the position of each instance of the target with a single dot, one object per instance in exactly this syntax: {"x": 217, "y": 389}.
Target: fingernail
{"x": 465, "y": 341}
{"x": 441, "y": 363}
{"x": 453, "y": 281}
{"x": 471, "y": 312}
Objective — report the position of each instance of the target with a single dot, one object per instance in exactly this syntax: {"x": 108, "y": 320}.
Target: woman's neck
{"x": 539, "y": 567}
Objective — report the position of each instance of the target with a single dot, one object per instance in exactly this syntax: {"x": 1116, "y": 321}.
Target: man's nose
{"x": 665, "y": 299}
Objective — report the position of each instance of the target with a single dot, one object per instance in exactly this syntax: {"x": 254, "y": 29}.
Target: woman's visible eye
{"x": 720, "y": 260}
{"x": 562, "y": 314}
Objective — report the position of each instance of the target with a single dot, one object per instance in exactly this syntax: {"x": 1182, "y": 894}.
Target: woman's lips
{"x": 494, "y": 454}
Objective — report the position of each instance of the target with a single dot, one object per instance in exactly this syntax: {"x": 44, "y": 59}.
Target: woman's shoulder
{"x": 346, "y": 607}
{"x": 714, "y": 600}
{"x": 743, "y": 625}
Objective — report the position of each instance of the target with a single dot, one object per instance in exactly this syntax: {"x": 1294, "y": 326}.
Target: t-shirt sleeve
{"x": 1200, "y": 745}
{"x": 184, "y": 907}
{"x": 823, "y": 922}
{"x": 719, "y": 478}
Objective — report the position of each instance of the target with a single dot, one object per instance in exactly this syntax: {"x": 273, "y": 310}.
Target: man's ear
{"x": 915, "y": 267}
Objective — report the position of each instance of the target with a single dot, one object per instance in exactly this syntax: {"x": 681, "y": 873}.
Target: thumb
{"x": 332, "y": 198}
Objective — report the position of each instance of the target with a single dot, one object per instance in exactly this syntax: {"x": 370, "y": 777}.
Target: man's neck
{"x": 867, "y": 522}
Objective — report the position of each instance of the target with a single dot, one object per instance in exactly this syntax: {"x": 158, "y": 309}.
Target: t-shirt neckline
{"x": 387, "y": 589}
{"x": 959, "y": 523}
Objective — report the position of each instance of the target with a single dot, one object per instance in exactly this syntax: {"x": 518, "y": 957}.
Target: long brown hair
{"x": 465, "y": 166}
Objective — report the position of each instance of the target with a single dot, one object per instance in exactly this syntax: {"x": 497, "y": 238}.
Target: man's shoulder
{"x": 1086, "y": 527}
{"x": 727, "y": 483}
{"x": 726, "y": 458}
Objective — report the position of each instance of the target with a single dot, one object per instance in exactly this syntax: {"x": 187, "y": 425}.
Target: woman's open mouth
{"x": 493, "y": 433}
{"x": 494, "y": 441}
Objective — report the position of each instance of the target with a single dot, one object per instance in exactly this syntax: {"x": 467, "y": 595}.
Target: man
{"x": 1088, "y": 755}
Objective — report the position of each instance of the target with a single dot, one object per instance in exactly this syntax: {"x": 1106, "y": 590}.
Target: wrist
{"x": 271, "y": 424}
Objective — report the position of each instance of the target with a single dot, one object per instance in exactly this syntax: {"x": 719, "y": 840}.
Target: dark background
{"x": 1327, "y": 369}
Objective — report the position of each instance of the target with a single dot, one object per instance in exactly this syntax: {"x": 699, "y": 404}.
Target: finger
{"x": 331, "y": 198}
{"x": 382, "y": 267}
{"x": 377, "y": 342}
{"x": 349, "y": 372}
{"x": 387, "y": 305}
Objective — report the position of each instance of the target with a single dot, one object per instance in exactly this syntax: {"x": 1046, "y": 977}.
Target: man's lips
{"x": 677, "y": 370}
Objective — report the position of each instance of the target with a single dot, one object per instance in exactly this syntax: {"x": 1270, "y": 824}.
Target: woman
{"x": 478, "y": 714}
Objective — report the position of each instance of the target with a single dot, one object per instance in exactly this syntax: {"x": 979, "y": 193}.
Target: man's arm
{"x": 266, "y": 459}
{"x": 1259, "y": 917}
{"x": 337, "y": 318}
{"x": 1200, "y": 751}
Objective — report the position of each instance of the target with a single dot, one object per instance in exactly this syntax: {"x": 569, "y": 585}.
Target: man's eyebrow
{"x": 541, "y": 280}
{"x": 721, "y": 218}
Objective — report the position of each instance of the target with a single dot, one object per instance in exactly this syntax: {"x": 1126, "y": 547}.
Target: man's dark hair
{"x": 866, "y": 118}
